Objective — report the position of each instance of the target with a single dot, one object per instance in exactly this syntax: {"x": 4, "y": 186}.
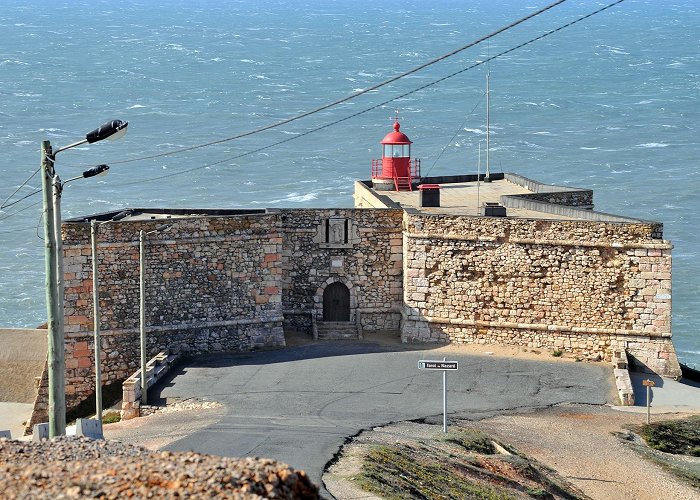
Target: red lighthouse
{"x": 396, "y": 170}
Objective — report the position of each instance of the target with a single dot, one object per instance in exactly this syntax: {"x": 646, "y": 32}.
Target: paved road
{"x": 298, "y": 405}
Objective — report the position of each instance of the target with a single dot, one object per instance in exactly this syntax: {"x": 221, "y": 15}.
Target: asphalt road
{"x": 298, "y": 405}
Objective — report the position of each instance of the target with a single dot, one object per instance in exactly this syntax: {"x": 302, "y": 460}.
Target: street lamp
{"x": 52, "y": 187}
{"x": 142, "y": 306}
{"x": 96, "y": 308}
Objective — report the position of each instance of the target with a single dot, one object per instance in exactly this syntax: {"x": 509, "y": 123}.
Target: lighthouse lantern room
{"x": 396, "y": 170}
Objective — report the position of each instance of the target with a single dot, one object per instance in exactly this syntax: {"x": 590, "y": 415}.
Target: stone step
{"x": 336, "y": 330}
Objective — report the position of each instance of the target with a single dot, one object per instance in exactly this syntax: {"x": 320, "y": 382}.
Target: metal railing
{"x": 414, "y": 168}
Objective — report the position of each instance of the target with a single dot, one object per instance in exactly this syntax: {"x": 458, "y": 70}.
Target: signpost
{"x": 444, "y": 365}
{"x": 649, "y": 384}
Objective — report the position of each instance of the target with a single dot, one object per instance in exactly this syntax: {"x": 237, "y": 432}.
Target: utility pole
{"x": 51, "y": 187}
{"x": 56, "y": 359}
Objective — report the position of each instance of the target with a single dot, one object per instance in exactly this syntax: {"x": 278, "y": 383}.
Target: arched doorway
{"x": 336, "y": 302}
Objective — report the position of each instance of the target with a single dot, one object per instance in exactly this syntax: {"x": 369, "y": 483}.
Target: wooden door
{"x": 336, "y": 302}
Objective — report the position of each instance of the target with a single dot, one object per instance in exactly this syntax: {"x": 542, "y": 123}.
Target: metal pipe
{"x": 142, "y": 315}
{"x": 96, "y": 318}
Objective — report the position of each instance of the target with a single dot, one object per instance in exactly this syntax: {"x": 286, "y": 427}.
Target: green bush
{"x": 111, "y": 417}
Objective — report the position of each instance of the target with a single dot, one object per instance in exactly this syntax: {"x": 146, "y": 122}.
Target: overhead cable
{"x": 384, "y": 103}
{"x": 347, "y": 98}
{"x": 20, "y": 187}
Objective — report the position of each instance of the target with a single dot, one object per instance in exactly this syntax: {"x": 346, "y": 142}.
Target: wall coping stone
{"x": 540, "y": 327}
{"x": 664, "y": 245}
{"x": 167, "y": 328}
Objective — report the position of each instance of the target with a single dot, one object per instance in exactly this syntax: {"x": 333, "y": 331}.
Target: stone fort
{"x": 432, "y": 259}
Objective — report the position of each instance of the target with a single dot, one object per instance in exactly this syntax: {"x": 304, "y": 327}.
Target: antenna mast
{"x": 487, "y": 176}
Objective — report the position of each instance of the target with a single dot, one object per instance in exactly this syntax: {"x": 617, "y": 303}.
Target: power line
{"x": 20, "y": 187}
{"x": 347, "y": 98}
{"x": 21, "y": 199}
{"x": 384, "y": 103}
{"x": 19, "y": 211}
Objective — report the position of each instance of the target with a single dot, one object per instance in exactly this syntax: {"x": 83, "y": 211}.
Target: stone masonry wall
{"x": 370, "y": 264}
{"x": 212, "y": 284}
{"x": 584, "y": 287}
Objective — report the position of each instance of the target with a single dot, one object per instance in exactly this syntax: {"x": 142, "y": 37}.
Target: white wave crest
{"x": 652, "y": 145}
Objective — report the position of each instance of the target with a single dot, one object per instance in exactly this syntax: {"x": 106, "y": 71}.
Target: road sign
{"x": 444, "y": 365}
{"x": 648, "y": 383}
{"x": 428, "y": 364}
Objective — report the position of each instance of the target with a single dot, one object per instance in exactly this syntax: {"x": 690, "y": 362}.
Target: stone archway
{"x": 321, "y": 293}
{"x": 336, "y": 302}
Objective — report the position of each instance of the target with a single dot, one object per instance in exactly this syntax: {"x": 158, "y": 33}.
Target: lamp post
{"x": 142, "y": 306}
{"x": 52, "y": 187}
{"x": 96, "y": 308}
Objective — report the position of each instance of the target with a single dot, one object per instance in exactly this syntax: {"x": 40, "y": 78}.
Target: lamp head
{"x": 111, "y": 130}
{"x": 95, "y": 171}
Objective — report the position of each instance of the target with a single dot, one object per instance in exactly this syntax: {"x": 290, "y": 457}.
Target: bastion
{"x": 510, "y": 261}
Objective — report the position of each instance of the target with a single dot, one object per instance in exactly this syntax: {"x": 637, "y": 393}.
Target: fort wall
{"x": 232, "y": 281}
{"x": 577, "y": 286}
{"x": 212, "y": 284}
{"x": 222, "y": 283}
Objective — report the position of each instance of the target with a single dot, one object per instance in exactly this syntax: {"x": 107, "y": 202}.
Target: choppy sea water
{"x": 610, "y": 104}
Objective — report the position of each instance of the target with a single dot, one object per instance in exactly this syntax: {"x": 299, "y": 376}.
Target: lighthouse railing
{"x": 414, "y": 166}
{"x": 376, "y": 168}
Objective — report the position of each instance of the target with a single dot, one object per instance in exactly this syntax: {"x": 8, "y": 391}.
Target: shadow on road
{"x": 299, "y": 347}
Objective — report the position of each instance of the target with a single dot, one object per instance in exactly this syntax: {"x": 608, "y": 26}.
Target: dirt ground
{"x": 575, "y": 441}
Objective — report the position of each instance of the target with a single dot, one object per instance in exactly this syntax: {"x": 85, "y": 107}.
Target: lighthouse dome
{"x": 396, "y": 137}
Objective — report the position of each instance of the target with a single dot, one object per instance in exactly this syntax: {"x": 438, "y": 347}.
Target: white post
{"x": 444, "y": 399}
{"x": 96, "y": 314}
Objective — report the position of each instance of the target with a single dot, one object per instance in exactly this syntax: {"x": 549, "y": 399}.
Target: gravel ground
{"x": 71, "y": 467}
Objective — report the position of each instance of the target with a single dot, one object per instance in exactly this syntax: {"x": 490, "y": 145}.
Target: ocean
{"x": 610, "y": 103}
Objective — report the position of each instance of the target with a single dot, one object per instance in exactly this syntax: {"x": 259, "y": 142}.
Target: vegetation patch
{"x": 680, "y": 437}
{"x": 111, "y": 417}
{"x": 471, "y": 440}
{"x": 671, "y": 444}
{"x": 464, "y": 464}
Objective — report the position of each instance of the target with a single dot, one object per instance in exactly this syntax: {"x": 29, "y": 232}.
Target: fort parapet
{"x": 550, "y": 274}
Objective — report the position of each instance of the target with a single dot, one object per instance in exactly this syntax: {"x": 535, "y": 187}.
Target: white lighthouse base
{"x": 383, "y": 184}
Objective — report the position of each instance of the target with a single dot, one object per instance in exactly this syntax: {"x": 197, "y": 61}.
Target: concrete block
{"x": 40, "y": 432}
{"x": 89, "y": 427}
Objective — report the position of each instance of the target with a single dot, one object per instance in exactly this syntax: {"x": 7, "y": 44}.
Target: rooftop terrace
{"x": 465, "y": 195}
